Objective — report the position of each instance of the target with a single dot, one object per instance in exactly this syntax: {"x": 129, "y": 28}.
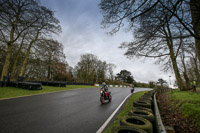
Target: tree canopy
{"x": 161, "y": 28}
{"x": 24, "y": 23}
{"x": 125, "y": 76}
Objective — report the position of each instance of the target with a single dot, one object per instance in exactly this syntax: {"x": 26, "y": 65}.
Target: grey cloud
{"x": 82, "y": 33}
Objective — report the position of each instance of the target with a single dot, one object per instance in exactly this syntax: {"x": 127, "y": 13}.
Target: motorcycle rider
{"x": 105, "y": 88}
{"x": 132, "y": 88}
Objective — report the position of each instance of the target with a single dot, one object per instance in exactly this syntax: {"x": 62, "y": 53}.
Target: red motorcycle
{"x": 105, "y": 96}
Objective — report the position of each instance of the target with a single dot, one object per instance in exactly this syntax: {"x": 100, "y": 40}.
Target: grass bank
{"x": 126, "y": 108}
{"x": 188, "y": 102}
{"x": 10, "y": 92}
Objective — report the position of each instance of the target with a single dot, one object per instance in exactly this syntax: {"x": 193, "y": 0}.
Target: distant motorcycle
{"x": 105, "y": 96}
{"x": 132, "y": 90}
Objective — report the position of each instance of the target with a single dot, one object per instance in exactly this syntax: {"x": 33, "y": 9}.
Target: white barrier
{"x": 96, "y": 84}
{"x": 113, "y": 85}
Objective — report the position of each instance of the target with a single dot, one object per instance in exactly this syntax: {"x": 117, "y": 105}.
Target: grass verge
{"x": 124, "y": 112}
{"x": 188, "y": 102}
{"x": 10, "y": 92}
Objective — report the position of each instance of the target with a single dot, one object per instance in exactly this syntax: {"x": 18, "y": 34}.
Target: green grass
{"x": 10, "y": 92}
{"x": 188, "y": 102}
{"x": 185, "y": 96}
{"x": 126, "y": 108}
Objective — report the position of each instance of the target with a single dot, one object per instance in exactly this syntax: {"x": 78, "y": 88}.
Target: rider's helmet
{"x": 104, "y": 85}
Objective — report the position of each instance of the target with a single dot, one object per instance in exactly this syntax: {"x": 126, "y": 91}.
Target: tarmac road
{"x": 73, "y": 111}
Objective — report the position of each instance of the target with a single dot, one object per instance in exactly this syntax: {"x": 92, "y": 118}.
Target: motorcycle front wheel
{"x": 110, "y": 98}
{"x": 102, "y": 100}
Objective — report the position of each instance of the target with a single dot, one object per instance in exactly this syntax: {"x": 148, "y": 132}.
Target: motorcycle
{"x": 132, "y": 90}
{"x": 105, "y": 96}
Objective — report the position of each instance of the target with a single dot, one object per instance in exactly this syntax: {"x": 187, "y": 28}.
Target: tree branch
{"x": 132, "y": 19}
{"x": 153, "y": 56}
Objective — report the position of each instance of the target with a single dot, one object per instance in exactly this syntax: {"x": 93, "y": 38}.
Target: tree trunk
{"x": 27, "y": 54}
{"x": 15, "y": 61}
{"x": 197, "y": 46}
{"x": 180, "y": 82}
{"x": 48, "y": 76}
{"x": 8, "y": 54}
{"x": 195, "y": 13}
{"x": 49, "y": 69}
{"x": 196, "y": 70}
{"x": 26, "y": 59}
{"x": 185, "y": 73}
{"x": 7, "y": 61}
{"x": 9, "y": 47}
{"x": 169, "y": 41}
{"x": 14, "y": 67}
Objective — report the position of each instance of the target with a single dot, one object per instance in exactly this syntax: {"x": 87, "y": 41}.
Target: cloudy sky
{"x": 82, "y": 33}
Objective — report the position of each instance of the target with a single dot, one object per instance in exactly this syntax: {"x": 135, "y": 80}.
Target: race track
{"x": 73, "y": 111}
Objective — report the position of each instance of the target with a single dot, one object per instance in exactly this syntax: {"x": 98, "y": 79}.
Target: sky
{"x": 82, "y": 33}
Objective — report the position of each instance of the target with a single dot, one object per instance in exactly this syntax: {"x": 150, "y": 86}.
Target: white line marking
{"x": 112, "y": 115}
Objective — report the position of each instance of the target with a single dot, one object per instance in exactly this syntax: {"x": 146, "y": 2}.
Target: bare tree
{"x": 184, "y": 11}
{"x": 45, "y": 25}
{"x": 85, "y": 68}
{"x": 52, "y": 53}
{"x": 111, "y": 68}
{"x": 101, "y": 69}
{"x": 193, "y": 65}
{"x": 184, "y": 67}
{"x": 157, "y": 28}
{"x": 90, "y": 69}
{"x": 16, "y": 57}
{"x": 20, "y": 18}
{"x": 15, "y": 18}
{"x": 47, "y": 61}
{"x": 155, "y": 37}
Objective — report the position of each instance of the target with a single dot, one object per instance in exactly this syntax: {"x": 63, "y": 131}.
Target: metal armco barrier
{"x": 158, "y": 121}
{"x": 163, "y": 90}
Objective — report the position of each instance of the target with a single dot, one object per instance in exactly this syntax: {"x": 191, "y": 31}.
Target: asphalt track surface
{"x": 73, "y": 111}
